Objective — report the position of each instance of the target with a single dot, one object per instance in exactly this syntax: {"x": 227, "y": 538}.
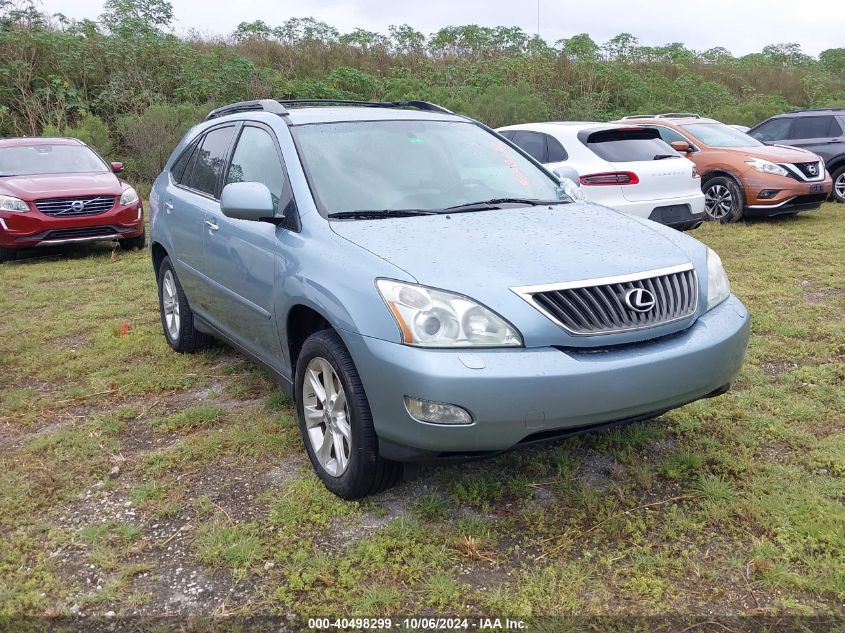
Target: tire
{"x": 351, "y": 467}
{"x": 7, "y": 255}
{"x": 724, "y": 199}
{"x": 134, "y": 243}
{"x": 838, "y": 191}
{"x": 177, "y": 320}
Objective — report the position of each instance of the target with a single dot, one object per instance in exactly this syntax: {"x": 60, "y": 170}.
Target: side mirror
{"x": 247, "y": 201}
{"x": 682, "y": 146}
{"x": 569, "y": 180}
{"x": 117, "y": 167}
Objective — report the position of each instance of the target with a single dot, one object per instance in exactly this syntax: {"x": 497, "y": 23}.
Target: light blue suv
{"x": 424, "y": 288}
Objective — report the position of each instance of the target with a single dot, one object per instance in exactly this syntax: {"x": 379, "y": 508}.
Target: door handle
{"x": 168, "y": 207}
{"x": 211, "y": 225}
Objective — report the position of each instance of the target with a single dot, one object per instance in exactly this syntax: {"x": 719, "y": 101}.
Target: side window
{"x": 774, "y": 130}
{"x": 184, "y": 165}
{"x": 508, "y": 134}
{"x": 256, "y": 160}
{"x": 532, "y": 142}
{"x": 211, "y": 156}
{"x": 669, "y": 135}
{"x": 556, "y": 153}
{"x": 835, "y": 128}
{"x": 813, "y": 127}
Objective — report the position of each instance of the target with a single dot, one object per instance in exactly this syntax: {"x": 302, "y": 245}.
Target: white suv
{"x": 620, "y": 166}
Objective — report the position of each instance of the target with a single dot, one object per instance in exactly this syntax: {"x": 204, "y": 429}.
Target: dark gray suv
{"x": 820, "y": 131}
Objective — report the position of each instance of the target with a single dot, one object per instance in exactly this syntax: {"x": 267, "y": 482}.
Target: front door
{"x": 241, "y": 254}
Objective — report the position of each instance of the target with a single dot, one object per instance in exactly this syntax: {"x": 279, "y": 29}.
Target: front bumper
{"x": 514, "y": 394}
{"x": 33, "y": 228}
{"x": 792, "y": 195}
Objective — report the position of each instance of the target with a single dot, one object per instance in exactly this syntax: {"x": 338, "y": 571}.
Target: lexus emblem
{"x": 77, "y": 205}
{"x": 639, "y": 300}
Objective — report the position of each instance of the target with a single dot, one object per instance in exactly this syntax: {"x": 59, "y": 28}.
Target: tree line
{"x": 128, "y": 85}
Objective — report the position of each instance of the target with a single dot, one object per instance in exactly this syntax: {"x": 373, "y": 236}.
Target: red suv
{"x": 58, "y": 190}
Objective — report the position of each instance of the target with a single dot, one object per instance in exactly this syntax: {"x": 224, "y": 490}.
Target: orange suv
{"x": 740, "y": 176}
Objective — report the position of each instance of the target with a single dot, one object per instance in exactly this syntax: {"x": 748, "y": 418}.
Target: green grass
{"x": 729, "y": 505}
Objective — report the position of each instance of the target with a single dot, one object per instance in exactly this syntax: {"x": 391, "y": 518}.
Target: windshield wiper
{"x": 495, "y": 203}
{"x": 662, "y": 156}
{"x": 368, "y": 214}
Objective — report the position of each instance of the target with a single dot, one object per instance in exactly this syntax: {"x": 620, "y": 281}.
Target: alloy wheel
{"x": 327, "y": 416}
{"x": 170, "y": 304}
{"x": 839, "y": 186}
{"x": 718, "y": 202}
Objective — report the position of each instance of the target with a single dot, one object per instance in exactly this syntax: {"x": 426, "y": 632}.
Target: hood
{"x": 479, "y": 253}
{"x": 59, "y": 185}
{"x": 776, "y": 153}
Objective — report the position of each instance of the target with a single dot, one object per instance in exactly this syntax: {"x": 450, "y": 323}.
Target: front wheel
{"x": 336, "y": 422}
{"x": 838, "y": 192}
{"x": 724, "y": 200}
{"x": 134, "y": 243}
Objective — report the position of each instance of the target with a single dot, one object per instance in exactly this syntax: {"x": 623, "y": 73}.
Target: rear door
{"x": 645, "y": 166}
{"x": 241, "y": 254}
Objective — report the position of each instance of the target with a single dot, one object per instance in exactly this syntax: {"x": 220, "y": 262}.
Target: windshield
{"x": 417, "y": 165}
{"x": 33, "y": 160}
{"x": 720, "y": 135}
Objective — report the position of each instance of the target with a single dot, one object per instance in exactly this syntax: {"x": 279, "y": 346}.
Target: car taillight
{"x": 611, "y": 178}
{"x": 695, "y": 173}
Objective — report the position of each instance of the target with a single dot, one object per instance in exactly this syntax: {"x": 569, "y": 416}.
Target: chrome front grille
{"x": 79, "y": 205}
{"x": 606, "y": 306}
{"x": 813, "y": 170}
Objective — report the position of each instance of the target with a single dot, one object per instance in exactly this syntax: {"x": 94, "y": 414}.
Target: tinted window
{"x": 532, "y": 142}
{"x": 669, "y": 135}
{"x": 814, "y": 127}
{"x": 210, "y": 159}
{"x": 774, "y": 130}
{"x": 377, "y": 165}
{"x": 180, "y": 170}
{"x": 256, "y": 160}
{"x": 625, "y": 146}
{"x": 556, "y": 153}
{"x": 508, "y": 134}
{"x": 720, "y": 135}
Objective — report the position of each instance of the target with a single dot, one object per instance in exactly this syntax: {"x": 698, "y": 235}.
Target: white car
{"x": 623, "y": 167}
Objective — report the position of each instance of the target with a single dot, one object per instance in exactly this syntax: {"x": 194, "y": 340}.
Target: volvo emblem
{"x": 639, "y": 300}
{"x": 77, "y": 205}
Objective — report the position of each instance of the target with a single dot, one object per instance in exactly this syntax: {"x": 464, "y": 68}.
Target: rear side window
{"x": 627, "y": 145}
{"x": 814, "y": 127}
{"x": 669, "y": 135}
{"x": 556, "y": 153}
{"x": 532, "y": 142}
{"x": 181, "y": 170}
{"x": 210, "y": 159}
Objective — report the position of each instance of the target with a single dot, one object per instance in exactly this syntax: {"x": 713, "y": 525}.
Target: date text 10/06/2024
{"x": 422, "y": 623}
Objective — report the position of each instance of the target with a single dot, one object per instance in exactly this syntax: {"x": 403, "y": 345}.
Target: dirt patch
{"x": 815, "y": 295}
{"x": 778, "y": 367}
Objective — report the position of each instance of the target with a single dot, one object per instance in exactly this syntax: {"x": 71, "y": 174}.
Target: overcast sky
{"x": 742, "y": 26}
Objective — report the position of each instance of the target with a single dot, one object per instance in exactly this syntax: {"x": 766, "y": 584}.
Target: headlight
{"x": 766, "y": 166}
{"x": 434, "y": 318}
{"x": 718, "y": 286}
{"x": 129, "y": 196}
{"x": 9, "y": 203}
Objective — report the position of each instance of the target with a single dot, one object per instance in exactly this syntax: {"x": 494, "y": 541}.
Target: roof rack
{"x": 411, "y": 103}
{"x": 281, "y": 107}
{"x": 831, "y": 109}
{"x": 267, "y": 105}
{"x": 665, "y": 115}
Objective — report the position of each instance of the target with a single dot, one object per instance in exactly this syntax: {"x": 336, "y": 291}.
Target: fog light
{"x": 436, "y": 412}
{"x": 767, "y": 194}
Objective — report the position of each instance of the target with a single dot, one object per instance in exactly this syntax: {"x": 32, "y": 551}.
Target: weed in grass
{"x": 236, "y": 546}
{"x": 715, "y": 489}
{"x": 191, "y": 418}
{"x": 377, "y": 599}
{"x": 430, "y": 507}
{"x": 442, "y": 590}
